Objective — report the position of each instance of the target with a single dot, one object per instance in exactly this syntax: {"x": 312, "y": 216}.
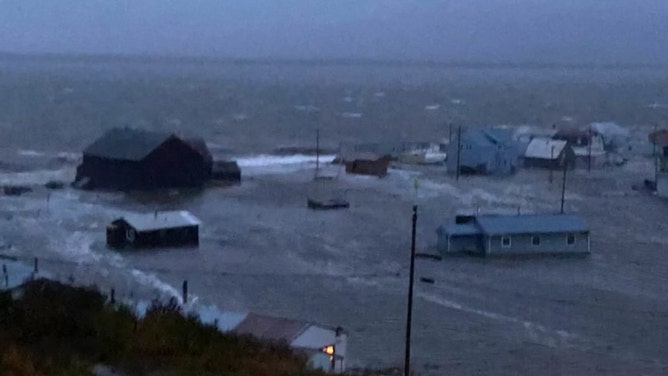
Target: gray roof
{"x": 271, "y": 328}
{"x": 160, "y": 220}
{"x": 544, "y": 148}
{"x": 126, "y": 144}
{"x": 531, "y": 223}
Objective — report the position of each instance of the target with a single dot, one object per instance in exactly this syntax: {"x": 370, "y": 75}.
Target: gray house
{"x": 483, "y": 151}
{"x": 515, "y": 234}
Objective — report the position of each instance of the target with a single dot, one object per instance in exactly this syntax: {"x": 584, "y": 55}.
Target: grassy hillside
{"x": 47, "y": 328}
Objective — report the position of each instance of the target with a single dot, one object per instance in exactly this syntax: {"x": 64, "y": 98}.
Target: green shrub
{"x": 57, "y": 329}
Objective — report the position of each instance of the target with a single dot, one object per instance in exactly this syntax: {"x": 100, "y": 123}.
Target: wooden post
{"x": 550, "y": 178}
{"x": 185, "y": 291}
{"x": 409, "y": 315}
{"x": 5, "y": 274}
{"x": 36, "y": 266}
{"x": 459, "y": 150}
{"x": 563, "y": 189}
{"x": 112, "y": 297}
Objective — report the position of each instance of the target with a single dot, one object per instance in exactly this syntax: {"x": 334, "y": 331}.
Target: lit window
{"x": 329, "y": 350}
{"x": 505, "y": 241}
{"x": 535, "y": 240}
{"x": 570, "y": 239}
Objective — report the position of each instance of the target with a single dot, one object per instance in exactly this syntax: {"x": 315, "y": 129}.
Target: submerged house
{"x": 126, "y": 158}
{"x": 158, "y": 229}
{"x": 325, "y": 348}
{"x": 548, "y": 153}
{"x": 483, "y": 151}
{"x": 515, "y": 234}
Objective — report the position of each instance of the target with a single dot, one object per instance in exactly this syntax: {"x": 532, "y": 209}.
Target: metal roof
{"x": 545, "y": 148}
{"x": 531, "y": 223}
{"x": 271, "y": 328}
{"x": 488, "y": 136}
{"x": 126, "y": 144}
{"x": 501, "y": 136}
{"x": 160, "y": 220}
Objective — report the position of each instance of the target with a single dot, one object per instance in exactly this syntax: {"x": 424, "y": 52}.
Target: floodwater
{"x": 263, "y": 250}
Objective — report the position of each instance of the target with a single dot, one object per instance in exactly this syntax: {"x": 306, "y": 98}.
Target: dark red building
{"x": 126, "y": 158}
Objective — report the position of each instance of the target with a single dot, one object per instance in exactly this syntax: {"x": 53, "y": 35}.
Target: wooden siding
{"x": 549, "y": 243}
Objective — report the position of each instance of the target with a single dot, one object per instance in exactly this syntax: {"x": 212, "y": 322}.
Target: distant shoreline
{"x": 437, "y": 64}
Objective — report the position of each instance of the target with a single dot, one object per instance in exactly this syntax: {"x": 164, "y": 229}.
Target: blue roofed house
{"x": 490, "y": 151}
{"x": 515, "y": 234}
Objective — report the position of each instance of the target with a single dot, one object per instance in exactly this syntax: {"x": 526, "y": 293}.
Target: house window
{"x": 570, "y": 239}
{"x": 505, "y": 241}
{"x": 535, "y": 240}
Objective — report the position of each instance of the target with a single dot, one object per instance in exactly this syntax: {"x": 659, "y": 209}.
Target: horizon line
{"x": 325, "y": 61}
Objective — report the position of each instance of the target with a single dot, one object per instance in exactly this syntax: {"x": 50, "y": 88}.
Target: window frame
{"x": 510, "y": 241}
{"x": 533, "y": 240}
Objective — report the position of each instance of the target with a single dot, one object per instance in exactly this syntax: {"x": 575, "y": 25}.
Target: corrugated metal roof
{"x": 126, "y": 144}
{"x": 161, "y": 220}
{"x": 271, "y": 328}
{"x": 542, "y": 148}
{"x": 531, "y": 223}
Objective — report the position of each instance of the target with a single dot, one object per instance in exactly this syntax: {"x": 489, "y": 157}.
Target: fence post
{"x": 113, "y": 296}
{"x": 5, "y": 274}
{"x": 36, "y": 269}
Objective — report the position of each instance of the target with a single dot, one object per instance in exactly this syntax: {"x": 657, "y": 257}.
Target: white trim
{"x": 510, "y": 241}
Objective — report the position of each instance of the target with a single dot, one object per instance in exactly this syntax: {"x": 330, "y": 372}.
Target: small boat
{"x": 429, "y": 154}
{"x": 324, "y": 203}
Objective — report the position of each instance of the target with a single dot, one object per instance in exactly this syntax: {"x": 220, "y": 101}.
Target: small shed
{"x": 548, "y": 153}
{"x": 516, "y": 234}
{"x": 324, "y": 347}
{"x": 226, "y": 171}
{"x": 365, "y": 163}
{"x": 158, "y": 229}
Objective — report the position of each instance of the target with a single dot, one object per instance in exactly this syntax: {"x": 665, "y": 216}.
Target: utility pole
{"x": 459, "y": 149}
{"x": 591, "y": 139}
{"x": 563, "y": 188}
{"x": 317, "y": 151}
{"x": 409, "y": 315}
{"x": 656, "y": 159}
{"x": 551, "y": 165}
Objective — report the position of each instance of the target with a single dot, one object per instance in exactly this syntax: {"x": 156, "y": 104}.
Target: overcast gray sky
{"x": 590, "y": 31}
